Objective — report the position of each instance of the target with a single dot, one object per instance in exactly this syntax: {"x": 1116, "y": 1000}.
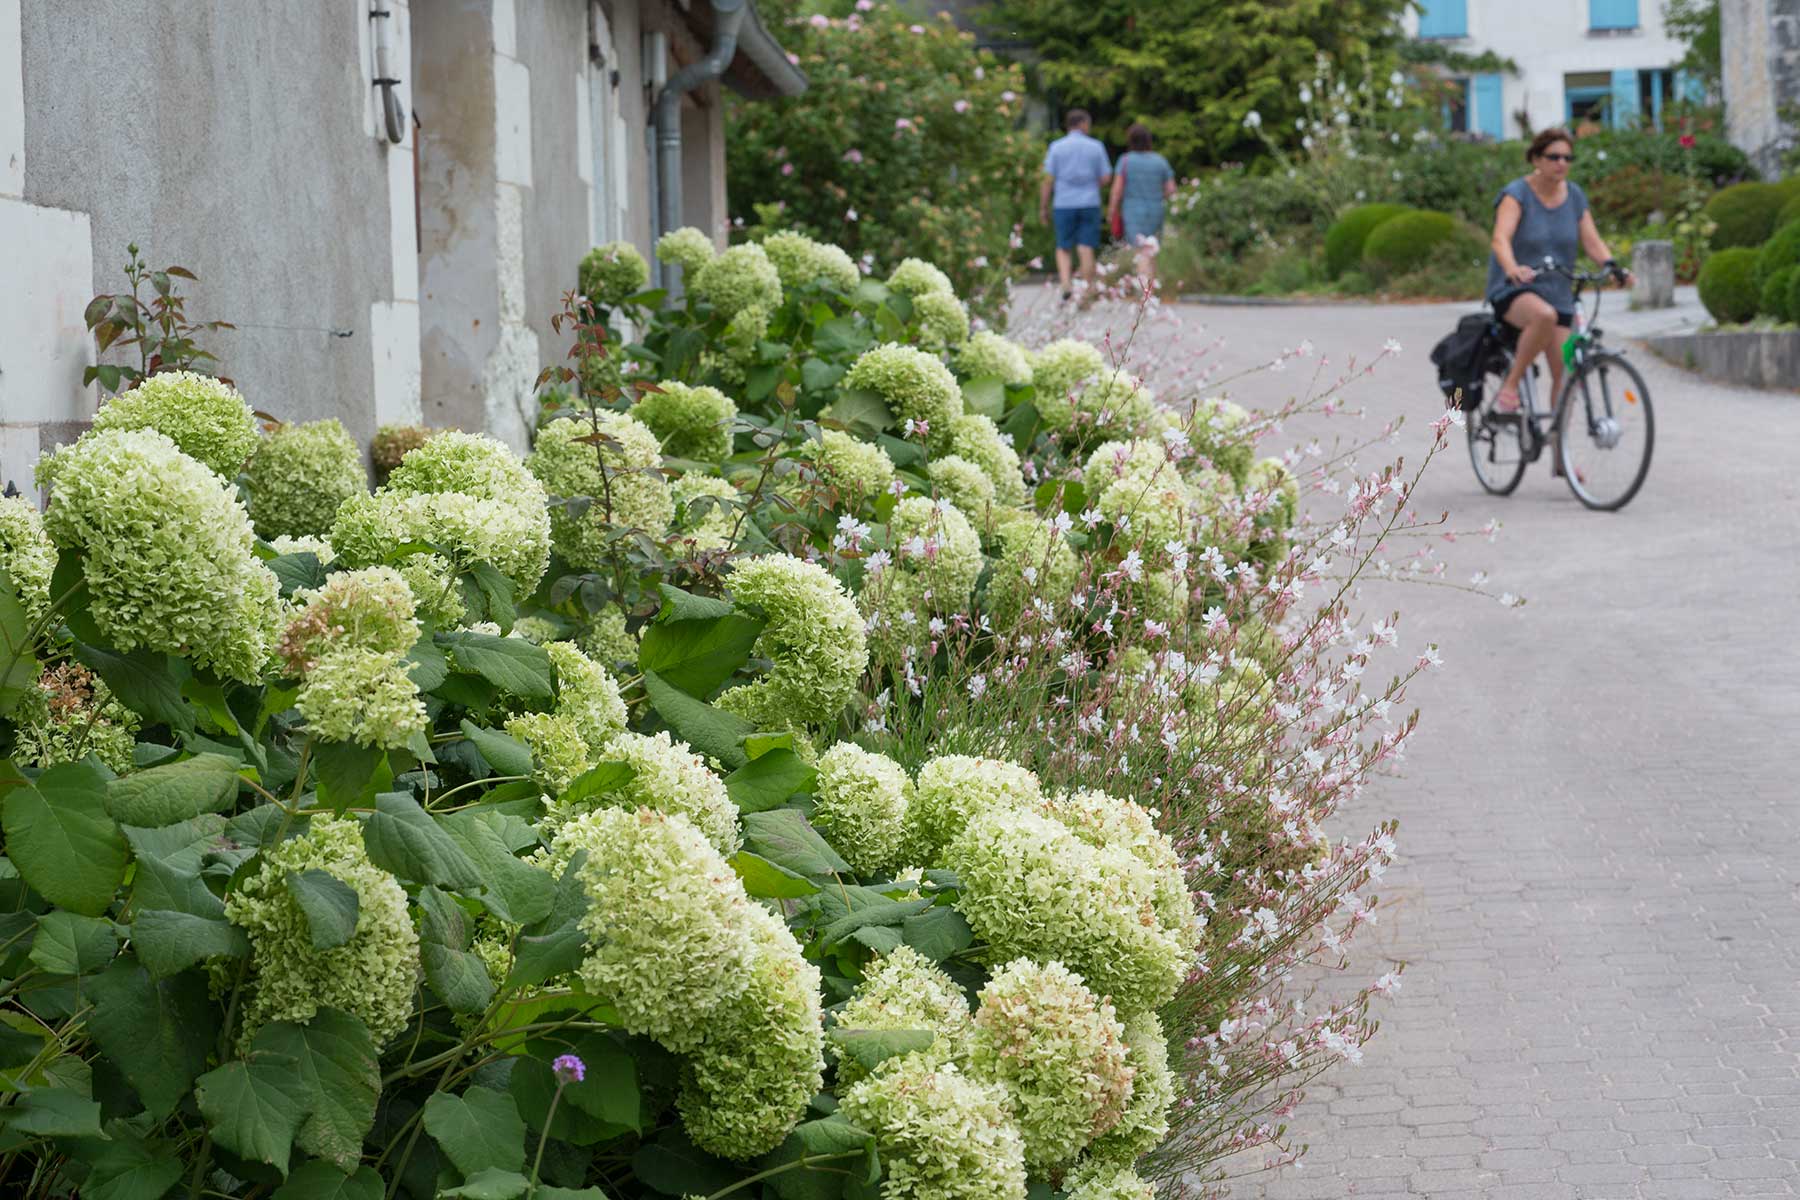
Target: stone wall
{"x": 1760, "y": 49}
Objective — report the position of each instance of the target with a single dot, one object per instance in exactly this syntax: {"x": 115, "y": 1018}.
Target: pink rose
{"x": 853, "y": 155}
{"x": 787, "y": 168}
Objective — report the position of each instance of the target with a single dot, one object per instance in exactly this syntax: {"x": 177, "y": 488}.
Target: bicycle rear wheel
{"x": 1496, "y": 441}
{"x": 1606, "y": 432}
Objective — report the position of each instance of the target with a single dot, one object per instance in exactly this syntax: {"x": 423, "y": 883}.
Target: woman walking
{"x": 1142, "y": 185}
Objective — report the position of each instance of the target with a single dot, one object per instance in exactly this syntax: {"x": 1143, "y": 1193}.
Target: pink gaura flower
{"x": 1008, "y": 96}
{"x": 961, "y": 106}
{"x": 853, "y": 155}
{"x": 820, "y": 21}
{"x": 901, "y": 123}
{"x": 916, "y": 28}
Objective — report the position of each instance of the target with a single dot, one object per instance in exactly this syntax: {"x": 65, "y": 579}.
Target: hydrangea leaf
{"x": 596, "y": 781}
{"x": 146, "y": 682}
{"x": 494, "y": 593}
{"x": 61, "y": 839}
{"x": 404, "y": 839}
{"x": 861, "y": 410}
{"x": 697, "y": 643}
{"x": 834, "y": 1141}
{"x": 533, "y": 1085}
{"x": 490, "y": 1184}
{"x": 841, "y": 336}
{"x": 337, "y": 1077}
{"x": 124, "y": 1168}
{"x": 458, "y": 977}
{"x": 937, "y": 933}
{"x": 166, "y": 795}
{"x": 254, "y": 1107}
{"x": 768, "y": 780}
{"x": 330, "y": 906}
{"x": 986, "y": 396}
{"x": 168, "y": 861}
{"x": 346, "y": 772}
{"x": 18, "y": 666}
{"x": 295, "y": 571}
{"x": 711, "y": 731}
{"x": 54, "y": 1113}
{"x": 66, "y": 944}
{"x": 783, "y": 837}
{"x": 429, "y": 665}
{"x": 609, "y": 1086}
{"x": 515, "y": 891}
{"x": 156, "y": 1032}
{"x": 168, "y": 941}
{"x": 479, "y": 1130}
{"x": 501, "y": 751}
{"x": 316, "y": 1180}
{"x": 765, "y": 880}
{"x": 1021, "y": 425}
{"x": 889, "y": 912}
{"x": 674, "y": 1166}
{"x": 511, "y": 664}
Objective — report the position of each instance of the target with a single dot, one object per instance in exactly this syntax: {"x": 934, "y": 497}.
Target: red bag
{"x": 1118, "y": 213}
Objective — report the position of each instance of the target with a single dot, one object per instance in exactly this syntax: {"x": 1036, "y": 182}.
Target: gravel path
{"x": 1599, "y": 887}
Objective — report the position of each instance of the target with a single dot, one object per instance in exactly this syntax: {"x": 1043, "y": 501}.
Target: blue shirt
{"x": 1078, "y": 163}
{"x": 1542, "y": 231}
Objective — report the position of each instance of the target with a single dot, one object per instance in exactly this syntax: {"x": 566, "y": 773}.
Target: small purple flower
{"x": 568, "y": 1069}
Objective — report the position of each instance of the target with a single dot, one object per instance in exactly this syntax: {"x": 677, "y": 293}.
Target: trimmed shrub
{"x": 1402, "y": 243}
{"x": 1793, "y": 296}
{"x": 1779, "y": 252}
{"x": 1775, "y": 293}
{"x": 1344, "y": 240}
{"x": 1727, "y": 287}
{"x": 1627, "y": 197}
{"x": 1790, "y": 212}
{"x": 1745, "y": 214}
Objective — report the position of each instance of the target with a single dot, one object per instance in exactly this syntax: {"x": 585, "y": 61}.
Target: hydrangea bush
{"x": 917, "y": 796}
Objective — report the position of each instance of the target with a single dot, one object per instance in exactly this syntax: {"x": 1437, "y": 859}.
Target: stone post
{"x": 1653, "y": 263}
{"x": 1760, "y": 48}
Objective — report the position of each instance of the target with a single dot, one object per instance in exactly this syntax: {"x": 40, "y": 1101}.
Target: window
{"x": 1455, "y": 105}
{"x": 1607, "y": 15}
{"x": 1588, "y": 98}
{"x": 1655, "y": 89}
{"x": 1444, "y": 19}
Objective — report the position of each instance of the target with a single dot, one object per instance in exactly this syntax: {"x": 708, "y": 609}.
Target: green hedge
{"x": 1780, "y": 251}
{"x": 1745, "y": 214}
{"x": 1790, "y": 212}
{"x": 1344, "y": 240}
{"x": 1793, "y": 296}
{"x": 1727, "y": 287}
{"x": 1402, "y": 243}
{"x": 1776, "y": 294}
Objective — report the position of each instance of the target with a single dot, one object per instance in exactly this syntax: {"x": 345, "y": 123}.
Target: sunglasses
{"x": 1568, "y": 158}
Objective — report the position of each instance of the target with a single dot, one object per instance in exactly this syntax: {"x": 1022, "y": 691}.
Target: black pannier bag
{"x": 1459, "y": 359}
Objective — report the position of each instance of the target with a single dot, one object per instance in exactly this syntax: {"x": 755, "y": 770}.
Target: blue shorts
{"x": 1076, "y": 227}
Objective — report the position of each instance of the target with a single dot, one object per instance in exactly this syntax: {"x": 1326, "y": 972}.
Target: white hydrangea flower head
{"x": 915, "y": 277}
{"x": 363, "y": 696}
{"x": 739, "y": 280}
{"x": 1059, "y": 1052}
{"x": 687, "y": 248}
{"x": 943, "y": 320}
{"x": 962, "y": 483}
{"x": 708, "y": 525}
{"x": 813, "y": 640}
{"x": 1103, "y": 820}
{"x": 611, "y": 273}
{"x": 1035, "y": 562}
{"x": 942, "y": 1134}
{"x": 608, "y": 640}
{"x": 951, "y": 560}
{"x": 989, "y": 355}
{"x": 69, "y": 714}
{"x": 1057, "y": 371}
{"x": 570, "y": 467}
{"x": 916, "y": 386}
{"x": 761, "y": 1058}
{"x": 587, "y": 695}
{"x": 1222, "y": 432}
{"x": 666, "y": 966}
{"x": 1136, "y": 481}
{"x": 1145, "y": 1122}
{"x": 668, "y": 778}
{"x": 205, "y": 417}
{"x": 27, "y": 555}
{"x": 862, "y": 801}
{"x": 692, "y": 422}
{"x": 558, "y": 754}
{"x": 1099, "y": 1180}
{"x": 1109, "y": 403}
{"x": 318, "y": 547}
{"x": 435, "y": 591}
{"x": 978, "y": 439}
{"x": 801, "y": 261}
{"x": 299, "y": 475}
{"x": 905, "y": 990}
{"x": 372, "y": 976}
{"x": 371, "y": 609}
{"x": 856, "y": 468}
{"x": 170, "y": 561}
{"x": 950, "y": 790}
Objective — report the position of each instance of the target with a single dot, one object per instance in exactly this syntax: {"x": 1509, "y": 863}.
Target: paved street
{"x": 1599, "y": 889}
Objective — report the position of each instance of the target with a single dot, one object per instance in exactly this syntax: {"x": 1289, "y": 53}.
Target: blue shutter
{"x": 1444, "y": 19}
{"x": 1612, "y": 14}
{"x": 1487, "y": 115}
{"x": 1690, "y": 88}
{"x": 1624, "y": 111}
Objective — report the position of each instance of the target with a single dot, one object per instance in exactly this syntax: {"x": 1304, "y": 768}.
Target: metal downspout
{"x": 667, "y": 116}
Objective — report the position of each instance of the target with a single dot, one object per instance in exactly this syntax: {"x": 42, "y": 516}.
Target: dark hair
{"x": 1076, "y": 117}
{"x": 1545, "y": 140}
{"x": 1138, "y": 137}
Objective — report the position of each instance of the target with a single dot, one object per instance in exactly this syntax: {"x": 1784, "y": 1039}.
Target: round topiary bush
{"x": 1781, "y": 251}
{"x": 1745, "y": 214}
{"x": 1403, "y": 242}
{"x": 1793, "y": 296}
{"x": 1344, "y": 240}
{"x": 1727, "y": 286}
{"x": 1790, "y": 212}
{"x": 1776, "y": 292}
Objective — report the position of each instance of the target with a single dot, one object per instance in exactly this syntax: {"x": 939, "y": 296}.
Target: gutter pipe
{"x": 666, "y": 119}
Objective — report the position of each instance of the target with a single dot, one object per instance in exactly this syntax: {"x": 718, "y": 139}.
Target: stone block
{"x": 1653, "y": 264}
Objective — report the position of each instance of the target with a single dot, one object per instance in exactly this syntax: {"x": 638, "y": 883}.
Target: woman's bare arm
{"x": 1506, "y": 223}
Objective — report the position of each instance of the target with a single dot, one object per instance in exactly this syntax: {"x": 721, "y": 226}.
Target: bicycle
{"x": 1602, "y": 443}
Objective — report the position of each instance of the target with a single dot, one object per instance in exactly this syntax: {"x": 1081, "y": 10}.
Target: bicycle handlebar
{"x": 1615, "y": 274}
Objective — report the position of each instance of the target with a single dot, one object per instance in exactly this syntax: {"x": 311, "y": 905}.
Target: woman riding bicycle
{"x": 1541, "y": 215}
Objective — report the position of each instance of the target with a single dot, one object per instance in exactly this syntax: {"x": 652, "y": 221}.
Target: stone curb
{"x": 1753, "y": 358}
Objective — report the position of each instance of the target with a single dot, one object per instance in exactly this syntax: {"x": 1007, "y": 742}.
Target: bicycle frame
{"x": 1583, "y": 342}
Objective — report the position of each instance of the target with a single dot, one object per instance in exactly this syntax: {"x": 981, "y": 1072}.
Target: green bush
{"x": 1777, "y": 292}
{"x": 1453, "y": 269}
{"x": 1344, "y": 240}
{"x": 1727, "y": 287}
{"x": 1790, "y": 212}
{"x": 1711, "y": 158}
{"x": 1626, "y": 198}
{"x": 1745, "y": 214}
{"x": 1780, "y": 251}
{"x": 1793, "y": 296}
{"x": 1402, "y": 243}
{"x": 1456, "y": 177}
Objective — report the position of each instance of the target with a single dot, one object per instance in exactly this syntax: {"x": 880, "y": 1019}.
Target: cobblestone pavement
{"x": 1598, "y": 894}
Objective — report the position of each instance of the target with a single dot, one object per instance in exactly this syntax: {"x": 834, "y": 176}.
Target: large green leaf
{"x": 62, "y": 841}
{"x": 697, "y": 643}
{"x": 125, "y": 1168}
{"x": 18, "y": 665}
{"x": 503, "y": 752}
{"x": 891, "y": 912}
{"x": 764, "y": 880}
{"x": 862, "y": 411}
{"x": 295, "y": 571}
{"x": 156, "y": 1032}
{"x": 346, "y": 772}
{"x": 986, "y": 396}
{"x": 165, "y": 795}
{"x": 512, "y": 889}
{"x": 784, "y": 837}
{"x": 459, "y": 977}
{"x": 597, "y": 781}
{"x": 937, "y": 933}
{"x": 54, "y": 1113}
{"x": 479, "y": 1130}
{"x": 835, "y": 1145}
{"x": 555, "y": 944}
{"x": 533, "y": 1085}
{"x": 710, "y": 731}
{"x": 872, "y": 1047}
{"x": 169, "y": 941}
{"x": 608, "y": 1089}
{"x": 403, "y": 838}
{"x": 496, "y": 594}
{"x": 841, "y": 337}
{"x": 489, "y": 1183}
{"x": 144, "y": 681}
{"x": 428, "y": 664}
{"x": 66, "y": 944}
{"x": 254, "y": 1107}
{"x": 510, "y": 664}
{"x": 168, "y": 862}
{"x": 318, "y": 1180}
{"x": 329, "y": 905}
{"x": 338, "y": 1077}
{"x": 768, "y": 780}
{"x": 674, "y": 1166}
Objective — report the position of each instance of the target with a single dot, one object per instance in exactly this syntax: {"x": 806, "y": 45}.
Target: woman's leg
{"x": 1535, "y": 320}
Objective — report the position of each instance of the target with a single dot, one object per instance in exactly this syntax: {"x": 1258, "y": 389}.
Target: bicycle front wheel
{"x": 1496, "y": 442}
{"x": 1605, "y": 433}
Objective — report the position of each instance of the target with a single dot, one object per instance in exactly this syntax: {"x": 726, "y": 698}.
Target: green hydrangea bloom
{"x": 611, "y": 273}
{"x": 1217, "y": 509}
{"x": 1059, "y": 1051}
{"x": 1058, "y": 369}
{"x": 942, "y": 1135}
{"x": 1221, "y": 431}
{"x": 800, "y": 261}
{"x": 856, "y": 468}
{"x": 1271, "y": 475}
{"x": 978, "y": 439}
{"x": 586, "y": 694}
{"x": 914, "y": 384}
{"x": 1097, "y": 1180}
{"x": 205, "y": 417}
{"x": 988, "y": 355}
{"x": 942, "y": 319}
{"x": 392, "y": 443}
{"x": 692, "y": 422}
{"x": 1137, "y": 489}
{"x": 68, "y": 715}
{"x": 361, "y": 696}
{"x": 738, "y": 280}
{"x": 666, "y": 966}
{"x": 1102, "y": 820}
{"x": 1109, "y": 403}
{"x": 371, "y": 976}
{"x": 961, "y": 482}
{"x": 472, "y": 463}
{"x": 1035, "y": 562}
{"x": 299, "y": 475}
{"x": 569, "y": 468}
{"x": 708, "y": 525}
{"x": 609, "y": 641}
{"x": 916, "y": 277}
{"x": 318, "y": 547}
{"x": 170, "y": 563}
{"x": 937, "y": 550}
{"x": 905, "y": 990}
{"x": 687, "y": 248}
{"x": 950, "y": 790}
{"x": 1146, "y": 1120}
{"x": 27, "y": 555}
{"x": 813, "y": 640}
{"x": 1092, "y": 908}
{"x": 538, "y": 630}
{"x": 558, "y": 753}
{"x": 668, "y": 777}
{"x": 862, "y": 801}
{"x": 760, "y": 1060}
{"x": 435, "y": 592}
{"x": 371, "y": 609}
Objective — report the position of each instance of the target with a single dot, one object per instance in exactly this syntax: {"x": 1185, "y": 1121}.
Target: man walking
{"x": 1076, "y": 167}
